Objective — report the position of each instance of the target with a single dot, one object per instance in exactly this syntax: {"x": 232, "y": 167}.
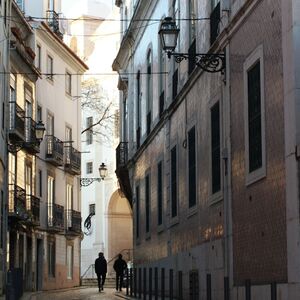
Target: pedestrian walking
{"x": 101, "y": 270}
{"x": 120, "y": 266}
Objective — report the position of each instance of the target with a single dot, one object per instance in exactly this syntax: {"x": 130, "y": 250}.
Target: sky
{"x": 72, "y": 8}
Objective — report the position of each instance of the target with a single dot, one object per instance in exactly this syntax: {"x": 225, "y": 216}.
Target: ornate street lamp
{"x": 86, "y": 181}
{"x": 209, "y": 62}
{"x": 39, "y": 131}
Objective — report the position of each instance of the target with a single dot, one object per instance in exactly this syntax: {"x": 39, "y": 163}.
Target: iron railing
{"x": 122, "y": 154}
{"x": 17, "y": 200}
{"x": 53, "y": 22}
{"x": 16, "y": 118}
{"x": 72, "y": 160}
{"x": 55, "y": 216}
{"x": 54, "y": 150}
{"x": 33, "y": 207}
{"x": 73, "y": 221}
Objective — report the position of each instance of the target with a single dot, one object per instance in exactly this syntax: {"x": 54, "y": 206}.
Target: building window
{"x": 137, "y": 212}
{"x": 192, "y": 166}
{"x": 125, "y": 118}
{"x": 159, "y": 193}
{"x": 49, "y": 67}
{"x": 162, "y": 80}
{"x": 39, "y": 113}
{"x": 69, "y": 261}
{"x": 51, "y": 259}
{"x": 69, "y": 204}
{"x": 20, "y": 3}
{"x": 38, "y": 56}
{"x": 28, "y": 184}
{"x": 50, "y": 199}
{"x": 92, "y": 209}
{"x": 215, "y": 149}
{"x": 89, "y": 167}
{"x": 254, "y": 117}
{"x": 1, "y": 219}
{"x": 89, "y": 132}
{"x": 40, "y": 183}
{"x": 147, "y": 202}
{"x": 215, "y": 18}
{"x": 192, "y": 17}
{"x": 68, "y": 83}
{"x": 138, "y": 109}
{"x": 174, "y": 191}
{"x": 149, "y": 92}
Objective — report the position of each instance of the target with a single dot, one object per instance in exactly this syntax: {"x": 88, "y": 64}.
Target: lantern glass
{"x": 39, "y": 130}
{"x": 168, "y": 34}
{"x": 102, "y": 171}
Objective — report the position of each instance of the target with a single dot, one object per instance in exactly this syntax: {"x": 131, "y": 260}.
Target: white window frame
{"x": 50, "y": 67}
{"x": 89, "y": 163}
{"x": 253, "y": 58}
{"x": 70, "y": 261}
{"x": 174, "y": 220}
{"x": 68, "y": 83}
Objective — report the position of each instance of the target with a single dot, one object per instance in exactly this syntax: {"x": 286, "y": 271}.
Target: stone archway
{"x": 120, "y": 232}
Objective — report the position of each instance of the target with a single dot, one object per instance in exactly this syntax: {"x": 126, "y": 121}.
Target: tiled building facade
{"x": 208, "y": 160}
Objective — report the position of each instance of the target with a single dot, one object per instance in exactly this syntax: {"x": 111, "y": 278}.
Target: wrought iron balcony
{"x": 73, "y": 224}
{"x": 72, "y": 160}
{"x": 33, "y": 208}
{"x": 17, "y": 202}
{"x": 54, "y": 151}
{"x": 55, "y": 217}
{"x": 122, "y": 171}
{"x": 53, "y": 22}
{"x": 16, "y": 122}
{"x": 32, "y": 145}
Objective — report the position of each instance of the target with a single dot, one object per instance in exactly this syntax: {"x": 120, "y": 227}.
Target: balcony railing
{"x": 33, "y": 208}
{"x": 73, "y": 221}
{"x": 54, "y": 150}
{"x": 55, "y": 217}
{"x": 122, "y": 154}
{"x": 17, "y": 202}
{"x": 32, "y": 144}
{"x": 215, "y": 18}
{"x": 16, "y": 122}
{"x": 53, "y": 22}
{"x": 72, "y": 160}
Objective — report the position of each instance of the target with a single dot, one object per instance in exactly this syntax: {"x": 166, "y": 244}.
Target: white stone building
{"x": 95, "y": 40}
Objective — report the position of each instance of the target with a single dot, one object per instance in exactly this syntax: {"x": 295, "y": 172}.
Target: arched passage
{"x": 119, "y": 221}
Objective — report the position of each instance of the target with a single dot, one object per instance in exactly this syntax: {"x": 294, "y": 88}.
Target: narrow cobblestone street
{"x": 75, "y": 294}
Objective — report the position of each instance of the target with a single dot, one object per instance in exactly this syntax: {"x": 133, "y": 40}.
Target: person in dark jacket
{"x": 101, "y": 270}
{"x": 120, "y": 266}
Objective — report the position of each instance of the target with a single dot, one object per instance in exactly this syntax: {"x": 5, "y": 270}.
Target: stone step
{"x": 109, "y": 282}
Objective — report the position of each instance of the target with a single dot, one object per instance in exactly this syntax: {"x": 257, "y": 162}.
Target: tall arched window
{"x": 149, "y": 91}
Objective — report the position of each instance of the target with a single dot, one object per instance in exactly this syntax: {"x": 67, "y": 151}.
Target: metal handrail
{"x": 86, "y": 271}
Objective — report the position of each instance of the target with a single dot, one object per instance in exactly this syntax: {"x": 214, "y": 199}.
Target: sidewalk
{"x": 123, "y": 296}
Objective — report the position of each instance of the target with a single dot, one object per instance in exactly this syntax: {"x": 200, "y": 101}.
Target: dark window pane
{"x": 192, "y": 166}
{"x": 147, "y": 198}
{"x": 173, "y": 182}
{"x": 137, "y": 211}
{"x": 215, "y": 148}
{"x": 159, "y": 194}
{"x": 254, "y": 118}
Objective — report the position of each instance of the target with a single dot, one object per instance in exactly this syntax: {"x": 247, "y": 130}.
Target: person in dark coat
{"x": 101, "y": 270}
{"x": 120, "y": 266}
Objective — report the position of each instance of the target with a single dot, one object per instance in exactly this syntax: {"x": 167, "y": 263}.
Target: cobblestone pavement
{"x": 75, "y": 294}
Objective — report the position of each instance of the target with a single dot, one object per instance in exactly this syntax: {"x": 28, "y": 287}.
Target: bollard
{"x": 135, "y": 282}
{"x": 273, "y": 291}
{"x": 127, "y": 283}
{"x": 208, "y": 286}
{"x": 130, "y": 280}
{"x": 171, "y": 284}
{"x": 140, "y": 283}
{"x": 248, "y": 289}
{"x": 156, "y": 284}
{"x": 150, "y": 284}
{"x": 226, "y": 288}
{"x": 162, "y": 296}
{"x": 145, "y": 283}
{"x": 180, "y": 289}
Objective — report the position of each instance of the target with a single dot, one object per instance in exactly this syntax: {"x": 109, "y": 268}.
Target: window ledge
{"x": 160, "y": 228}
{"x": 192, "y": 211}
{"x": 174, "y": 221}
{"x": 255, "y": 176}
{"x": 216, "y": 198}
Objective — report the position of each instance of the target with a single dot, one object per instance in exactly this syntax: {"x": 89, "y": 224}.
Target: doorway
{"x": 39, "y": 264}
